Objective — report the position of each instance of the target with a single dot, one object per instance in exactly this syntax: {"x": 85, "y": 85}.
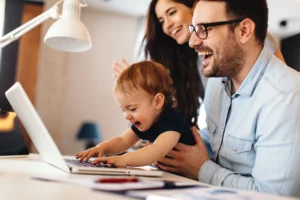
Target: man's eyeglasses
{"x": 201, "y": 29}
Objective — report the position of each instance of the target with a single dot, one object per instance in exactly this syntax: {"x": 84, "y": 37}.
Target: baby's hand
{"x": 86, "y": 155}
{"x": 117, "y": 161}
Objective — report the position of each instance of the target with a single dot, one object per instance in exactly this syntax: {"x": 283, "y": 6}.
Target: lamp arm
{"x": 18, "y": 32}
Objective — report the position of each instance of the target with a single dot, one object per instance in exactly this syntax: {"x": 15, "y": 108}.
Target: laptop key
{"x": 86, "y": 164}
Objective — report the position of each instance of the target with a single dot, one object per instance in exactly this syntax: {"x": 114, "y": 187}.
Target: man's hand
{"x": 186, "y": 160}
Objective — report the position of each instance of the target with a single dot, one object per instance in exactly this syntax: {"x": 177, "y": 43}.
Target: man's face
{"x": 222, "y": 55}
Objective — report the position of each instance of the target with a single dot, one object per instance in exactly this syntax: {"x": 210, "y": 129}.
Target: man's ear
{"x": 159, "y": 100}
{"x": 246, "y": 30}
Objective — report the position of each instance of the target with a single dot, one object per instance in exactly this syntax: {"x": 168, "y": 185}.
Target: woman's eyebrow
{"x": 169, "y": 9}
{"x": 166, "y": 12}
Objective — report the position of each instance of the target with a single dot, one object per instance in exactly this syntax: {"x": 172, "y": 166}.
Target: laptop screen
{"x": 12, "y": 142}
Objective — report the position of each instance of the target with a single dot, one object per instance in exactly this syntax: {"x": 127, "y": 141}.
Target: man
{"x": 253, "y": 109}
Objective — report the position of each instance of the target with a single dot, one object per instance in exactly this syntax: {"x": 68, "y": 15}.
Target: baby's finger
{"x": 111, "y": 161}
{"x": 84, "y": 155}
{"x": 154, "y": 164}
{"x": 78, "y": 155}
{"x": 99, "y": 160}
{"x": 91, "y": 153}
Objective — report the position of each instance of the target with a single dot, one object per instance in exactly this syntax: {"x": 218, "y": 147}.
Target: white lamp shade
{"x": 68, "y": 34}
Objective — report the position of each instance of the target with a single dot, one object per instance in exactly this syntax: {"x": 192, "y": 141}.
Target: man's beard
{"x": 231, "y": 62}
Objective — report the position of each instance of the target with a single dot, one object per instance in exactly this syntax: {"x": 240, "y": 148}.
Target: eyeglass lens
{"x": 199, "y": 29}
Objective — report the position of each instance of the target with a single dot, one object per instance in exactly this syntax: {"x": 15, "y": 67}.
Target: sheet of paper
{"x": 203, "y": 193}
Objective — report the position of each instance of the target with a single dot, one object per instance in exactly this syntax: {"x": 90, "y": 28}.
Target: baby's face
{"x": 139, "y": 108}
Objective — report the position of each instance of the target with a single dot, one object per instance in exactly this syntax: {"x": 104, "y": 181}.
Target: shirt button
{"x": 234, "y": 148}
{"x": 223, "y": 126}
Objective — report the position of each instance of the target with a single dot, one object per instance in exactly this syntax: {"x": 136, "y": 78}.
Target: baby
{"x": 145, "y": 93}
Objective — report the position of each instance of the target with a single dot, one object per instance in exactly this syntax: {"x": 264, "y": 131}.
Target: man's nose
{"x": 194, "y": 40}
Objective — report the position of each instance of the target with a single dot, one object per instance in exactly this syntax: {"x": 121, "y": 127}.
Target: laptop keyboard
{"x": 78, "y": 163}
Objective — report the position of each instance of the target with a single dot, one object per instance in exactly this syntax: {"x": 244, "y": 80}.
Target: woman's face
{"x": 175, "y": 19}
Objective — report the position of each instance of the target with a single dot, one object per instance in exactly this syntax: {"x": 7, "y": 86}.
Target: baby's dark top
{"x": 169, "y": 120}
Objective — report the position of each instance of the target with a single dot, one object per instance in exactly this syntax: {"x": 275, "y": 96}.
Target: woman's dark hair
{"x": 180, "y": 60}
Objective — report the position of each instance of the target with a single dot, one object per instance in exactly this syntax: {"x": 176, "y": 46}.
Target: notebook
{"x": 48, "y": 149}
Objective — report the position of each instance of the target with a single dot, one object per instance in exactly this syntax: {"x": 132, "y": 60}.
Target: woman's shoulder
{"x": 271, "y": 43}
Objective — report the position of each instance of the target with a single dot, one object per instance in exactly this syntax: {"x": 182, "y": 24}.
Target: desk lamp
{"x": 91, "y": 133}
{"x": 68, "y": 33}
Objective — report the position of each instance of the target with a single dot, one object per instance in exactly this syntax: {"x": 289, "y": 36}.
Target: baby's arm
{"x": 119, "y": 144}
{"x": 113, "y": 146}
{"x": 163, "y": 144}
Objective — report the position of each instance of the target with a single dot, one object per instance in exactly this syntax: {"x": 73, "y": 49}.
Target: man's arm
{"x": 203, "y": 130}
{"x": 277, "y": 147}
{"x": 205, "y": 137}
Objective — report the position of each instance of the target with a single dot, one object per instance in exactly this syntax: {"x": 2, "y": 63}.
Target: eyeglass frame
{"x": 192, "y": 28}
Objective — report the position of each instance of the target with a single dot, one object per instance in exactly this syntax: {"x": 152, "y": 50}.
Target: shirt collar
{"x": 249, "y": 84}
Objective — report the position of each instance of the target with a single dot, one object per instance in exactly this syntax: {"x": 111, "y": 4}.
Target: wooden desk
{"x": 16, "y": 182}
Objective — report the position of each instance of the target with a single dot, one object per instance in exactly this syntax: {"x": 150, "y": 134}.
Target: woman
{"x": 166, "y": 41}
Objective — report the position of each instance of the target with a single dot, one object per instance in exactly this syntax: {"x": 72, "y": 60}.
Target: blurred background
{"x": 72, "y": 89}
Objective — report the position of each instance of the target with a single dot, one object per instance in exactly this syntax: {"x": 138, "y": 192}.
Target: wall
{"x": 75, "y": 87}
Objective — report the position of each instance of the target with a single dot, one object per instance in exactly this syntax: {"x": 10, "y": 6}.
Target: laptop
{"x": 48, "y": 149}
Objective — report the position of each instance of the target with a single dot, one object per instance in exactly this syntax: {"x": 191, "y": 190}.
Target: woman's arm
{"x": 118, "y": 68}
{"x": 273, "y": 46}
{"x": 279, "y": 55}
